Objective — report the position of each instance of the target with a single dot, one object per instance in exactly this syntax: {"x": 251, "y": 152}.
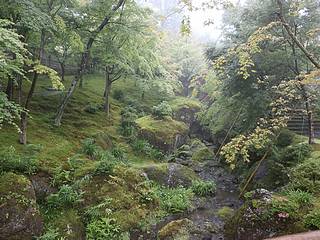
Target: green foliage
{"x": 92, "y": 108}
{"x": 106, "y": 164}
{"x": 174, "y": 200}
{"x": 51, "y": 234}
{"x": 203, "y": 188}
{"x": 98, "y": 211}
{"x": 9, "y": 111}
{"x": 128, "y": 117}
{"x": 142, "y": 146}
{"x": 285, "y": 138}
{"x": 312, "y": 220}
{"x": 303, "y": 199}
{"x": 10, "y": 160}
{"x": 306, "y": 176}
{"x": 118, "y": 94}
{"x": 162, "y": 110}
{"x": 225, "y": 213}
{"x": 66, "y": 197}
{"x": 119, "y": 153}
{"x": 90, "y": 148}
{"x": 296, "y": 153}
{"x": 104, "y": 228}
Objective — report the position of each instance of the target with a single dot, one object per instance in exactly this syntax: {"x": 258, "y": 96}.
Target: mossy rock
{"x": 124, "y": 190}
{"x": 185, "y": 109}
{"x": 176, "y": 230}
{"x": 171, "y": 174}
{"x": 225, "y": 213}
{"x": 19, "y": 214}
{"x": 165, "y": 134}
{"x": 69, "y": 225}
{"x": 258, "y": 219}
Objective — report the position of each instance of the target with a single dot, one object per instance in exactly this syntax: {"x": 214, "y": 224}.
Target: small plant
{"x": 51, "y": 234}
{"x": 103, "y": 229}
{"x": 90, "y": 148}
{"x": 174, "y": 200}
{"x": 162, "y": 110}
{"x": 312, "y": 220}
{"x": 65, "y": 197}
{"x": 106, "y": 165}
{"x": 92, "y": 108}
{"x": 203, "y": 188}
{"x": 144, "y": 147}
{"x": 99, "y": 211}
{"x": 225, "y": 213}
{"x": 118, "y": 95}
{"x": 10, "y": 160}
{"x": 118, "y": 153}
{"x": 304, "y": 199}
{"x": 294, "y": 154}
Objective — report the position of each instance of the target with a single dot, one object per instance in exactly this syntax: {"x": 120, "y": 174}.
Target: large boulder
{"x": 171, "y": 174}
{"x": 165, "y": 134}
{"x": 185, "y": 109}
{"x": 259, "y": 219}
{"x": 19, "y": 214}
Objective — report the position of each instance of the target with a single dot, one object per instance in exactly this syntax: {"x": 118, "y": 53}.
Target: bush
{"x": 312, "y": 220}
{"x": 104, "y": 229}
{"x": 306, "y": 176}
{"x": 203, "y": 188}
{"x": 174, "y": 200}
{"x": 118, "y": 153}
{"x": 118, "y": 95}
{"x": 128, "y": 117}
{"x": 144, "y": 147}
{"x": 65, "y": 197}
{"x": 303, "y": 199}
{"x": 92, "y": 108}
{"x": 10, "y": 160}
{"x": 295, "y": 153}
{"x": 162, "y": 110}
{"x": 106, "y": 164}
{"x": 285, "y": 138}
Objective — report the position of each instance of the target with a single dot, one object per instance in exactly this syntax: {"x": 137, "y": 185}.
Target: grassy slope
{"x": 61, "y": 143}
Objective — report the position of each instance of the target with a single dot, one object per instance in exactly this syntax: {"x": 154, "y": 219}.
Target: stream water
{"x": 204, "y": 216}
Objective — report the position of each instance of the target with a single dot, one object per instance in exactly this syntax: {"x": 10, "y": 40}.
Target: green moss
{"x": 185, "y": 103}
{"x": 202, "y": 154}
{"x": 225, "y": 213}
{"x": 179, "y": 229}
{"x": 68, "y": 223}
{"x": 163, "y": 129}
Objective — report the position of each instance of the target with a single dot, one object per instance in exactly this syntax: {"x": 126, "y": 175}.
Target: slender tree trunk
{"x": 9, "y": 90}
{"x": 84, "y": 60}
{"x": 107, "y": 94}
{"x": 24, "y": 115}
{"x": 62, "y": 66}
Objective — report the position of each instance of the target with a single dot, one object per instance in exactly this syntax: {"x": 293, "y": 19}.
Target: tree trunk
{"x": 310, "y": 123}
{"x": 84, "y": 60}
{"x": 107, "y": 93}
{"x": 9, "y": 90}
{"x": 24, "y": 116}
{"x": 62, "y": 66}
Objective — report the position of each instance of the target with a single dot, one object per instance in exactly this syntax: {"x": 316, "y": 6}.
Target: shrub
{"x": 282, "y": 205}
{"x": 306, "y": 176}
{"x": 295, "y": 153}
{"x": 118, "y": 153}
{"x": 144, "y": 147}
{"x": 65, "y": 197}
{"x": 303, "y": 199}
{"x": 118, "y": 94}
{"x": 92, "y": 108}
{"x": 174, "y": 200}
{"x": 162, "y": 110}
{"x": 99, "y": 211}
{"x": 312, "y": 219}
{"x": 128, "y": 117}
{"x": 285, "y": 138}
{"x": 10, "y": 160}
{"x": 105, "y": 228}
{"x": 203, "y": 188}
{"x": 106, "y": 164}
